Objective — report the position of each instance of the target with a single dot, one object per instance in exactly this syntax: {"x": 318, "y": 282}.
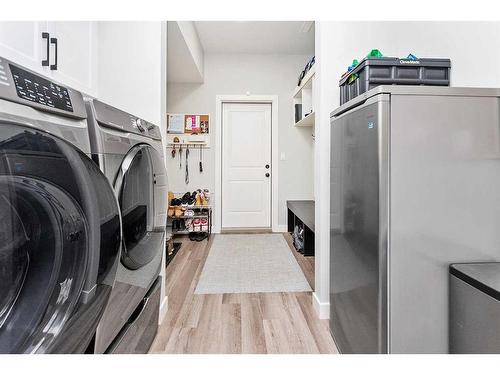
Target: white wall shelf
{"x": 303, "y": 95}
{"x": 307, "y": 121}
{"x": 188, "y": 139}
{"x": 305, "y": 83}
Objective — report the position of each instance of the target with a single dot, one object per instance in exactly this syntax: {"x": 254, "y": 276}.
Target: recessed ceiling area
{"x": 189, "y": 42}
{"x": 257, "y": 37}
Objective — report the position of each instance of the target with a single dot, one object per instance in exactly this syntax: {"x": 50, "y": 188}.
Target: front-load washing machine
{"x": 129, "y": 152}
{"x": 60, "y": 229}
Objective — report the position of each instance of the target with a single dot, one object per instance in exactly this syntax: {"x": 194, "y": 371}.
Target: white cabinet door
{"x": 22, "y": 43}
{"x": 76, "y": 54}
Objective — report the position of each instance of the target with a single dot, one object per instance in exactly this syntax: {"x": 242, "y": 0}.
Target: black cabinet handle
{"x": 267, "y": 174}
{"x": 54, "y": 42}
{"x": 46, "y": 61}
{"x": 267, "y": 166}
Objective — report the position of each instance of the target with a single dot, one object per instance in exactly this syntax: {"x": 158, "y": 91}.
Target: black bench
{"x": 302, "y": 212}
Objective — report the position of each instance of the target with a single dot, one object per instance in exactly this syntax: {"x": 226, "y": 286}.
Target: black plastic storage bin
{"x": 373, "y": 72}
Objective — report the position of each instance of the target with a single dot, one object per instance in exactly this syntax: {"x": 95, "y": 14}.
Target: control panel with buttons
{"x": 40, "y": 90}
{"x": 115, "y": 118}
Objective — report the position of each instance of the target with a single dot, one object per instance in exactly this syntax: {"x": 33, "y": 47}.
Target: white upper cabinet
{"x": 22, "y": 43}
{"x": 68, "y": 49}
{"x": 76, "y": 45}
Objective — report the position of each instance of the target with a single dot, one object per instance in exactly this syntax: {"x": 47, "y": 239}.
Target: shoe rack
{"x": 187, "y": 219}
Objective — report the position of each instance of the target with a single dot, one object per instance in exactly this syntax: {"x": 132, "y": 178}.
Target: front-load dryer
{"x": 129, "y": 152}
{"x": 60, "y": 230}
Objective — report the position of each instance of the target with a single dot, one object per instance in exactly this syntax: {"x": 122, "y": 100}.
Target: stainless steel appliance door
{"x": 135, "y": 187}
{"x": 358, "y": 255}
{"x": 445, "y": 208}
{"x": 59, "y": 243}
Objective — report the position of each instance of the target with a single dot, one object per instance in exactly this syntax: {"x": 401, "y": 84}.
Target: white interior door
{"x": 246, "y": 165}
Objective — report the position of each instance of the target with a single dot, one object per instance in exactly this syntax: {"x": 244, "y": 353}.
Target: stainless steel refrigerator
{"x": 415, "y": 186}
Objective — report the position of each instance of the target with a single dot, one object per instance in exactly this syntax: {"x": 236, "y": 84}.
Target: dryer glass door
{"x": 135, "y": 182}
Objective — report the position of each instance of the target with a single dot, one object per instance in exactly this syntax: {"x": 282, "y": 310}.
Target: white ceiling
{"x": 256, "y": 37}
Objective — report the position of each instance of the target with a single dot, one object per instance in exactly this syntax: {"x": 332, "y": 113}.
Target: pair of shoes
{"x": 175, "y": 202}
{"x": 202, "y": 197}
{"x": 189, "y": 213}
{"x": 200, "y": 236}
{"x": 178, "y": 225}
{"x": 188, "y": 200}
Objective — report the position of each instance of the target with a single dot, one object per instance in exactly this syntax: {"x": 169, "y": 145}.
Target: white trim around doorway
{"x": 273, "y": 100}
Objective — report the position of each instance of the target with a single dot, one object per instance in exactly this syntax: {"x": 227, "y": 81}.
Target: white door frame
{"x": 219, "y": 100}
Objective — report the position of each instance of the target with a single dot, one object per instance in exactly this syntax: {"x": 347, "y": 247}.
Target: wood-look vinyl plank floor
{"x": 250, "y": 323}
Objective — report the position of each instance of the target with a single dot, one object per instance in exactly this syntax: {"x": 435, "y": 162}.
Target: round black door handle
{"x": 267, "y": 166}
{"x": 267, "y": 174}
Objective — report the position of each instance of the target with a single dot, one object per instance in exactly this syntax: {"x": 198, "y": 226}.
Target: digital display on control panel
{"x": 40, "y": 90}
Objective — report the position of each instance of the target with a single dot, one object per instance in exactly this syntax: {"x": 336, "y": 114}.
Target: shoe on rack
{"x": 189, "y": 213}
{"x": 204, "y": 200}
{"x": 175, "y": 225}
{"x": 196, "y": 225}
{"x": 189, "y": 224}
{"x": 171, "y": 211}
{"x": 199, "y": 200}
{"x": 204, "y": 225}
{"x": 185, "y": 198}
{"x": 179, "y": 211}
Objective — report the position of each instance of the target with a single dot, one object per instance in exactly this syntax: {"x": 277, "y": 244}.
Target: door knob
{"x": 267, "y": 174}
{"x": 267, "y": 166}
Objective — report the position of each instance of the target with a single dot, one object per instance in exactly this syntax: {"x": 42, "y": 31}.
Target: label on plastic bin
{"x": 409, "y": 62}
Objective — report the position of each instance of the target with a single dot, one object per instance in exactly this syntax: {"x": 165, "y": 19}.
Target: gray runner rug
{"x": 251, "y": 263}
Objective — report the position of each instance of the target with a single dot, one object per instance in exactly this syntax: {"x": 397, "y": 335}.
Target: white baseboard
{"x": 322, "y": 308}
{"x": 163, "y": 310}
{"x": 280, "y": 229}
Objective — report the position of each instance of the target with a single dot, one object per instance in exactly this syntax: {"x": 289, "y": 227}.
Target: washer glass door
{"x": 43, "y": 241}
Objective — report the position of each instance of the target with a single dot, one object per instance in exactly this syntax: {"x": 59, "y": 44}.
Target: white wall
{"x": 237, "y": 74}
{"x": 130, "y": 67}
{"x": 186, "y": 58}
{"x": 474, "y": 53}
{"x": 190, "y": 34}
